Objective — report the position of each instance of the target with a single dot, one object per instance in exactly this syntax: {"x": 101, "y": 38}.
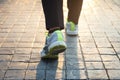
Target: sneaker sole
{"x": 50, "y": 57}
{"x": 54, "y": 49}
{"x": 71, "y": 33}
{"x": 57, "y": 47}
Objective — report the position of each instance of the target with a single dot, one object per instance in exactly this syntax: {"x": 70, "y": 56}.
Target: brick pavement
{"x": 94, "y": 54}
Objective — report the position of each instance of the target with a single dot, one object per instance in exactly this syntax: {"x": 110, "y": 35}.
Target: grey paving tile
{"x": 86, "y": 39}
{"x": 37, "y": 65}
{"x": 4, "y": 65}
{"x": 119, "y": 56}
{"x": 35, "y": 74}
{"x": 88, "y": 45}
{"x": 6, "y": 51}
{"x": 103, "y": 45}
{"x": 117, "y": 50}
{"x": 73, "y": 45}
{"x": 73, "y": 51}
{"x": 90, "y": 51}
{"x": 114, "y": 39}
{"x": 22, "y": 50}
{"x": 21, "y": 57}
{"x": 112, "y": 65}
{"x": 8, "y": 45}
{"x": 76, "y": 74}
{"x": 5, "y": 58}
{"x": 94, "y": 66}
{"x": 35, "y": 57}
{"x": 109, "y": 58}
{"x": 106, "y": 51}
{"x": 55, "y": 74}
{"x": 116, "y": 45}
{"x": 52, "y": 65}
{"x": 97, "y": 74}
{"x": 74, "y": 58}
{"x": 24, "y": 45}
{"x": 2, "y": 72}
{"x": 18, "y": 65}
{"x": 114, "y": 74}
{"x": 92, "y": 58}
{"x": 16, "y": 74}
{"x": 74, "y": 65}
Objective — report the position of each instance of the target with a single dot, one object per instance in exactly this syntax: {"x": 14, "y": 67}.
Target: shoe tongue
{"x": 72, "y": 26}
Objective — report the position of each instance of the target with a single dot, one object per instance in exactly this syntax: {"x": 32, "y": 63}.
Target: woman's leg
{"x": 74, "y": 7}
{"x": 53, "y": 10}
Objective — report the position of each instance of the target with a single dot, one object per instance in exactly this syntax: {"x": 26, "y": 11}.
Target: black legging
{"x": 53, "y": 10}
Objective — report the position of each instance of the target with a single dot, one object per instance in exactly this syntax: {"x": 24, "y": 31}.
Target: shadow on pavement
{"x": 72, "y": 58}
{"x": 48, "y": 69}
{"x": 68, "y": 68}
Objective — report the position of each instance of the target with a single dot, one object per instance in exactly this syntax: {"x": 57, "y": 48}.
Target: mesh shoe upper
{"x": 71, "y": 28}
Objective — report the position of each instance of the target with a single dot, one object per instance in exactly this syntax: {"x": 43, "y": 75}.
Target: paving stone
{"x": 6, "y": 51}
{"x": 14, "y": 35}
{"x": 4, "y": 65}
{"x": 101, "y": 40}
{"x": 22, "y": 50}
{"x": 76, "y": 74}
{"x": 74, "y": 65}
{"x": 51, "y": 65}
{"x": 61, "y": 57}
{"x": 106, "y": 51}
{"x": 72, "y": 51}
{"x": 18, "y": 65}
{"x": 112, "y": 65}
{"x": 94, "y": 66}
{"x": 90, "y": 51}
{"x": 37, "y": 65}
{"x": 119, "y": 56}
{"x": 92, "y": 58}
{"x": 38, "y": 45}
{"x": 114, "y": 74}
{"x": 109, "y": 58}
{"x": 11, "y": 40}
{"x": 72, "y": 45}
{"x": 21, "y": 58}
{"x": 26, "y": 40}
{"x": 97, "y": 74}
{"x": 16, "y": 74}
{"x": 103, "y": 45}
{"x": 24, "y": 45}
{"x": 116, "y": 45}
{"x": 35, "y": 57}
{"x": 86, "y": 39}
{"x": 71, "y": 39}
{"x": 3, "y": 35}
{"x": 117, "y": 50}
{"x": 4, "y": 58}
{"x": 88, "y": 45}
{"x": 35, "y": 74}
{"x": 114, "y": 34}
{"x": 74, "y": 58}
{"x": 8, "y": 45}
{"x": 114, "y": 39}
{"x": 99, "y": 35}
{"x": 55, "y": 74}
{"x": 2, "y": 72}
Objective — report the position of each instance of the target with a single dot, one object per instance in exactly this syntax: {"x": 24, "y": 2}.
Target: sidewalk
{"x": 94, "y": 54}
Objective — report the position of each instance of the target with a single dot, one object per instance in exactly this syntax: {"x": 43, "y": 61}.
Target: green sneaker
{"x": 54, "y": 45}
{"x": 71, "y": 29}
